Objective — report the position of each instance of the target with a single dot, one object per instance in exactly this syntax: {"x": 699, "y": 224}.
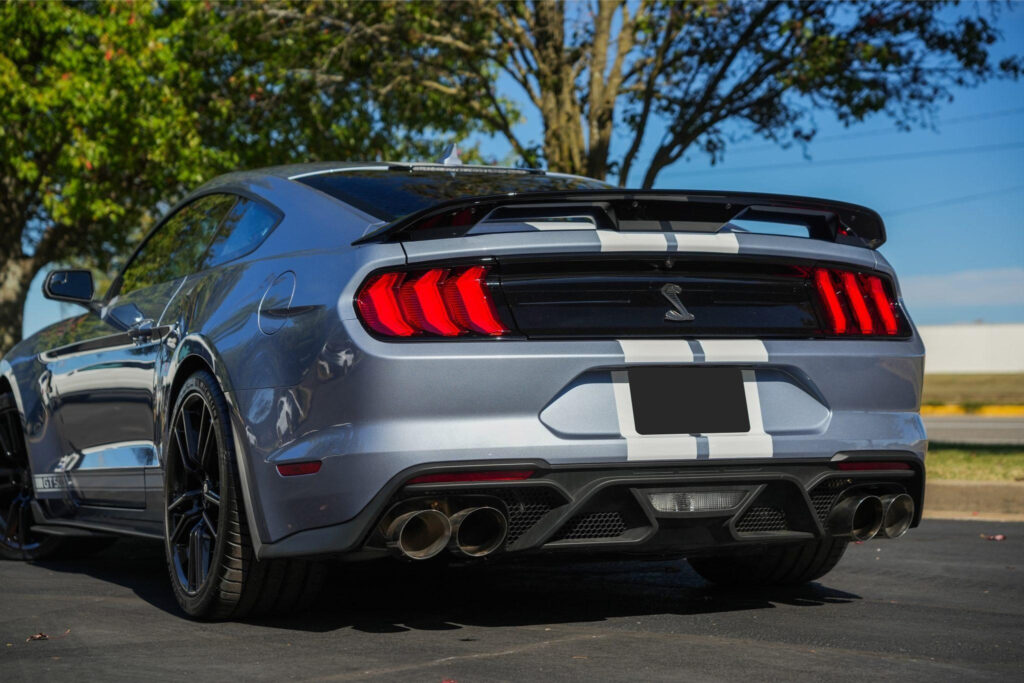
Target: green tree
{"x": 110, "y": 112}
{"x": 679, "y": 75}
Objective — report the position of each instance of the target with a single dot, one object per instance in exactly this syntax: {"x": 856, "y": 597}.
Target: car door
{"x": 105, "y": 380}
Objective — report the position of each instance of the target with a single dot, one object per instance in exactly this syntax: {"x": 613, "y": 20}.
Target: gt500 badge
{"x": 49, "y": 482}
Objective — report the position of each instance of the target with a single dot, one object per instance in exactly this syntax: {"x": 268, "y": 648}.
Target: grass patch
{"x": 974, "y": 390}
{"x": 975, "y": 463}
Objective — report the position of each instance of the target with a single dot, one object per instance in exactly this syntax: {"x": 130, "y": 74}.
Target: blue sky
{"x": 952, "y": 198}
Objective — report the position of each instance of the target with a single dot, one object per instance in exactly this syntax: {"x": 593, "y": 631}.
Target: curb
{"x": 952, "y": 409}
{"x": 968, "y": 497}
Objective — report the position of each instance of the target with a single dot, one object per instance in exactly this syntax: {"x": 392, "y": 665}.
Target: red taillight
{"x": 848, "y": 297}
{"x": 378, "y": 305}
{"x": 876, "y": 290}
{"x": 856, "y": 299}
{"x": 829, "y": 298}
{"x": 453, "y": 477}
{"x": 868, "y": 465}
{"x": 470, "y": 303}
{"x": 424, "y": 307}
{"x": 293, "y": 468}
{"x": 437, "y": 302}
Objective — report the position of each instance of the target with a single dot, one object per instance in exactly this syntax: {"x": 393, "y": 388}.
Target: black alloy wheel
{"x": 17, "y": 540}
{"x": 193, "y": 507}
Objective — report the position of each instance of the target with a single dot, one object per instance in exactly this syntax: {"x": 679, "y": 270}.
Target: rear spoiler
{"x": 644, "y": 210}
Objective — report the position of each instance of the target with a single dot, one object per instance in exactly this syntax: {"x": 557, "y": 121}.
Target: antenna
{"x": 450, "y": 156}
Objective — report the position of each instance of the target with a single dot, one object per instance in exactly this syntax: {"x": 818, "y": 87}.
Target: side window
{"x": 177, "y": 246}
{"x": 244, "y": 229}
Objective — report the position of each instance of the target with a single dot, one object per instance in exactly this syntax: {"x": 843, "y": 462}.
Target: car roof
{"x": 296, "y": 171}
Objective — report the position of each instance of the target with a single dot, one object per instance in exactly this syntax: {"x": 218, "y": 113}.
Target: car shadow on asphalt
{"x": 392, "y": 597}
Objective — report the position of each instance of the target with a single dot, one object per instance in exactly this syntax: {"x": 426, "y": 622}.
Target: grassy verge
{"x": 975, "y": 463}
{"x": 974, "y": 390}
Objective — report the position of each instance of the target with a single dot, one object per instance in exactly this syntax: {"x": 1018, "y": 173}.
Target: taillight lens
{"x": 855, "y": 303}
{"x": 439, "y": 302}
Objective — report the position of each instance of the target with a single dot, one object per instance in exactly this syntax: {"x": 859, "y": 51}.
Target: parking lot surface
{"x": 943, "y": 603}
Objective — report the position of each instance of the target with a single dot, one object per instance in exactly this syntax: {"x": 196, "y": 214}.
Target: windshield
{"x": 391, "y": 194}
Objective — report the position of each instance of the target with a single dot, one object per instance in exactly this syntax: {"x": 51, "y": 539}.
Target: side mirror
{"x": 69, "y": 285}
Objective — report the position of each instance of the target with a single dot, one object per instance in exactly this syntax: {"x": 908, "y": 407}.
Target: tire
{"x": 213, "y": 570}
{"x": 17, "y": 541}
{"x": 784, "y": 565}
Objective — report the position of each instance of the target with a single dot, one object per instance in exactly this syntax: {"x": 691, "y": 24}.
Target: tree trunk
{"x": 15, "y": 278}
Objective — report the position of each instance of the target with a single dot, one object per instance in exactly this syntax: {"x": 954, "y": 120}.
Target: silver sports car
{"x": 422, "y": 360}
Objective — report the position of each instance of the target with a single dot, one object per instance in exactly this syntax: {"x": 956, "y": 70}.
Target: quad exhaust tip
{"x": 478, "y": 531}
{"x": 860, "y": 517}
{"x": 419, "y": 535}
{"x": 898, "y": 515}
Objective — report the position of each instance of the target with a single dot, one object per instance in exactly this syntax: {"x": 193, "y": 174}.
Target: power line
{"x": 953, "y": 200}
{"x": 903, "y": 156}
{"x": 884, "y": 131}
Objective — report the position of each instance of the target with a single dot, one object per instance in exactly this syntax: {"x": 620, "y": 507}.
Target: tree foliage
{"x": 111, "y": 112}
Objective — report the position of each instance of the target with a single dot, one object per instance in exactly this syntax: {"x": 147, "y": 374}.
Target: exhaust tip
{"x": 477, "y": 532}
{"x": 419, "y": 535}
{"x": 860, "y": 517}
{"x": 899, "y": 513}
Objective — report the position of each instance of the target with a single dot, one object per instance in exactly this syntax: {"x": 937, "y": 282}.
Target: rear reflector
{"x": 856, "y": 303}
{"x": 293, "y": 468}
{"x": 439, "y": 302}
{"x": 452, "y": 477}
{"x": 868, "y": 465}
{"x": 697, "y": 501}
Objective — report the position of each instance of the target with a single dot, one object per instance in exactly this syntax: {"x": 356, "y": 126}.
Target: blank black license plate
{"x": 695, "y": 400}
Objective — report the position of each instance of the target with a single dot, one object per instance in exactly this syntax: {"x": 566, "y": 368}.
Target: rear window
{"x": 390, "y": 194}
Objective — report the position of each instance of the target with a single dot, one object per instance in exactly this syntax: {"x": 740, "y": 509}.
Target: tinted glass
{"x": 175, "y": 249}
{"x": 244, "y": 228}
{"x": 389, "y": 194}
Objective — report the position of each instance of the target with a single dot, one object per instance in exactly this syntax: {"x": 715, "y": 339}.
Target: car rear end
{"x": 596, "y": 370}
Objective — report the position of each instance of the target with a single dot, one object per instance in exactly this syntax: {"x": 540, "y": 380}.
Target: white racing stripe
{"x": 656, "y": 351}
{"x": 641, "y": 446}
{"x": 723, "y": 243}
{"x": 734, "y": 351}
{"x": 632, "y": 241}
{"x": 753, "y": 444}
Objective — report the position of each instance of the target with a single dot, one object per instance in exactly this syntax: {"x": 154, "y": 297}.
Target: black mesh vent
{"x": 526, "y": 507}
{"x": 762, "y": 519}
{"x": 825, "y": 495}
{"x": 592, "y": 525}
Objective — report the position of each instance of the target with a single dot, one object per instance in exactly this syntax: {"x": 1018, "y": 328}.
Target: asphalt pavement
{"x": 970, "y": 429}
{"x": 942, "y": 603}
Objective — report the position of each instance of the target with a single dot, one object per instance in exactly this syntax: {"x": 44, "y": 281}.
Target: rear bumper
{"x": 562, "y": 509}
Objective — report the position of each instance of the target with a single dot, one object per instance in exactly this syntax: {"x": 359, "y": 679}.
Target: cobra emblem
{"x": 678, "y": 313}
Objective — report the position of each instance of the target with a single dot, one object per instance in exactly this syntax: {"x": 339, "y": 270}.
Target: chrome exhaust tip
{"x": 899, "y": 513}
{"x": 477, "y": 532}
{"x": 859, "y": 517}
{"x": 420, "y": 534}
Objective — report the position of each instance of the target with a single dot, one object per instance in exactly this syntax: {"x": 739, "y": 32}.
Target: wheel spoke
{"x": 12, "y": 519}
{"x": 210, "y": 525}
{"x": 212, "y": 498}
{"x": 188, "y": 495}
{"x": 182, "y": 450}
{"x": 181, "y": 525}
